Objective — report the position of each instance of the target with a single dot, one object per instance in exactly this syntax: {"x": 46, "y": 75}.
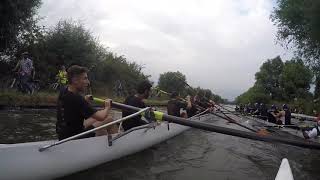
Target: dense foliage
{"x": 298, "y": 23}
{"x": 276, "y": 81}
{"x": 177, "y": 82}
{"x": 17, "y": 23}
{"x": 68, "y": 43}
{"x": 172, "y": 81}
{"x": 299, "y": 27}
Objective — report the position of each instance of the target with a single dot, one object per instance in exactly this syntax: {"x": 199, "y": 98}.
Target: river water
{"x": 194, "y": 154}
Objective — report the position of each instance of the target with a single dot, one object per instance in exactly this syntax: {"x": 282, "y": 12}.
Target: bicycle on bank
{"x": 16, "y": 83}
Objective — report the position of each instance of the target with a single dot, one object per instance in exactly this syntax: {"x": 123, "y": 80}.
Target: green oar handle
{"x": 157, "y": 114}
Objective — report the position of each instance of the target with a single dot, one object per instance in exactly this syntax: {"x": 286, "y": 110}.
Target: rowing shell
{"x": 284, "y": 172}
{"x": 24, "y": 161}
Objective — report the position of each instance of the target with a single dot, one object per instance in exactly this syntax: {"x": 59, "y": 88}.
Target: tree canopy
{"x": 176, "y": 82}
{"x": 172, "y": 81}
{"x": 267, "y": 78}
{"x": 298, "y": 25}
{"x": 68, "y": 43}
{"x": 278, "y": 81}
{"x": 295, "y": 80}
{"x": 17, "y": 23}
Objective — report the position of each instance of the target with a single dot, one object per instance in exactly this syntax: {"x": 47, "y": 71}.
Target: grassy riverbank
{"x": 49, "y": 99}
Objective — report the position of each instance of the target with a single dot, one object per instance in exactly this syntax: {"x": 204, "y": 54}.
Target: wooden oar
{"x": 234, "y": 122}
{"x": 228, "y": 131}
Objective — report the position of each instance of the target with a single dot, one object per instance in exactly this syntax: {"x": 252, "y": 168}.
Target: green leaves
{"x": 295, "y": 79}
{"x": 267, "y": 79}
{"x": 176, "y": 81}
{"x": 17, "y": 21}
{"x": 278, "y": 81}
{"x": 298, "y": 25}
{"x": 172, "y": 81}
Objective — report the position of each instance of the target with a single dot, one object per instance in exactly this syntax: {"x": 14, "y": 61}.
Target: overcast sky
{"x": 217, "y": 44}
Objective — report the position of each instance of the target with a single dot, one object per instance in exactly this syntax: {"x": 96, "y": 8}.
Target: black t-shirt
{"x": 72, "y": 110}
{"x": 135, "y": 121}
{"x": 271, "y": 118}
{"x": 192, "y": 111}
{"x": 288, "y": 117}
{"x": 174, "y": 107}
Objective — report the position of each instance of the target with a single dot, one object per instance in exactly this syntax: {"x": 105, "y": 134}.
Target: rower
{"x": 241, "y": 108}
{"x": 136, "y": 100}
{"x": 287, "y": 114}
{"x": 211, "y": 106}
{"x": 284, "y": 116}
{"x": 263, "y": 111}
{"x": 237, "y": 109}
{"x": 193, "y": 110}
{"x": 248, "y": 108}
{"x": 74, "y": 112}
{"x": 313, "y": 132}
{"x": 273, "y": 115}
{"x": 175, "y": 104}
{"x": 256, "y": 109}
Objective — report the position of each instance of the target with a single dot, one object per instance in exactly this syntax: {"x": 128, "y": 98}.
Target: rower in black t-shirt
{"x": 74, "y": 113}
{"x": 192, "y": 111}
{"x": 176, "y": 104}
{"x": 143, "y": 92}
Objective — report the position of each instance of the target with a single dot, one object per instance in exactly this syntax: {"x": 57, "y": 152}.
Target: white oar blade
{"x": 284, "y": 172}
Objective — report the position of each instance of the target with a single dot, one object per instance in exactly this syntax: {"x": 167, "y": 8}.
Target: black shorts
{"x": 131, "y": 123}
{"x": 89, "y": 135}
{"x": 63, "y": 135}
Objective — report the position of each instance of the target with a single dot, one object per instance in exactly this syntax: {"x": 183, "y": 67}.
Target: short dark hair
{"x": 174, "y": 94}
{"x": 75, "y": 70}
{"x": 143, "y": 86}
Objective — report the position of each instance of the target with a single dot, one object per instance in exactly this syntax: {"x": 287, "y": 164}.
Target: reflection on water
{"x": 194, "y": 154}
{"x": 25, "y": 126}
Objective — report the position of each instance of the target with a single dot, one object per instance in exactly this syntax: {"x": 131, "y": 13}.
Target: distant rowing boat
{"x": 291, "y": 130}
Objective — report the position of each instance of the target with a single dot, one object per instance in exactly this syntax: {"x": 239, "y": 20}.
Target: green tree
{"x": 254, "y": 94}
{"x": 298, "y": 25}
{"x": 295, "y": 79}
{"x": 66, "y": 44}
{"x": 17, "y": 21}
{"x": 267, "y": 79}
{"x": 71, "y": 43}
{"x": 206, "y": 94}
{"x": 116, "y": 68}
{"x": 172, "y": 81}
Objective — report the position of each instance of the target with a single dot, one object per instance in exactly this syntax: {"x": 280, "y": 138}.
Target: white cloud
{"x": 218, "y": 44}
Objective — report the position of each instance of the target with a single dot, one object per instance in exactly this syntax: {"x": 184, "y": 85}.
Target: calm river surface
{"x": 194, "y": 154}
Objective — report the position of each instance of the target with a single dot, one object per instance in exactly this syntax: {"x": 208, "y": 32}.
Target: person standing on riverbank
{"x": 74, "y": 112}
{"x": 62, "y": 77}
{"x": 26, "y": 72}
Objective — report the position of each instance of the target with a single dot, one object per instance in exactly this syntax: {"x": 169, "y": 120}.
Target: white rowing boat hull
{"x": 24, "y": 161}
{"x": 284, "y": 172}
